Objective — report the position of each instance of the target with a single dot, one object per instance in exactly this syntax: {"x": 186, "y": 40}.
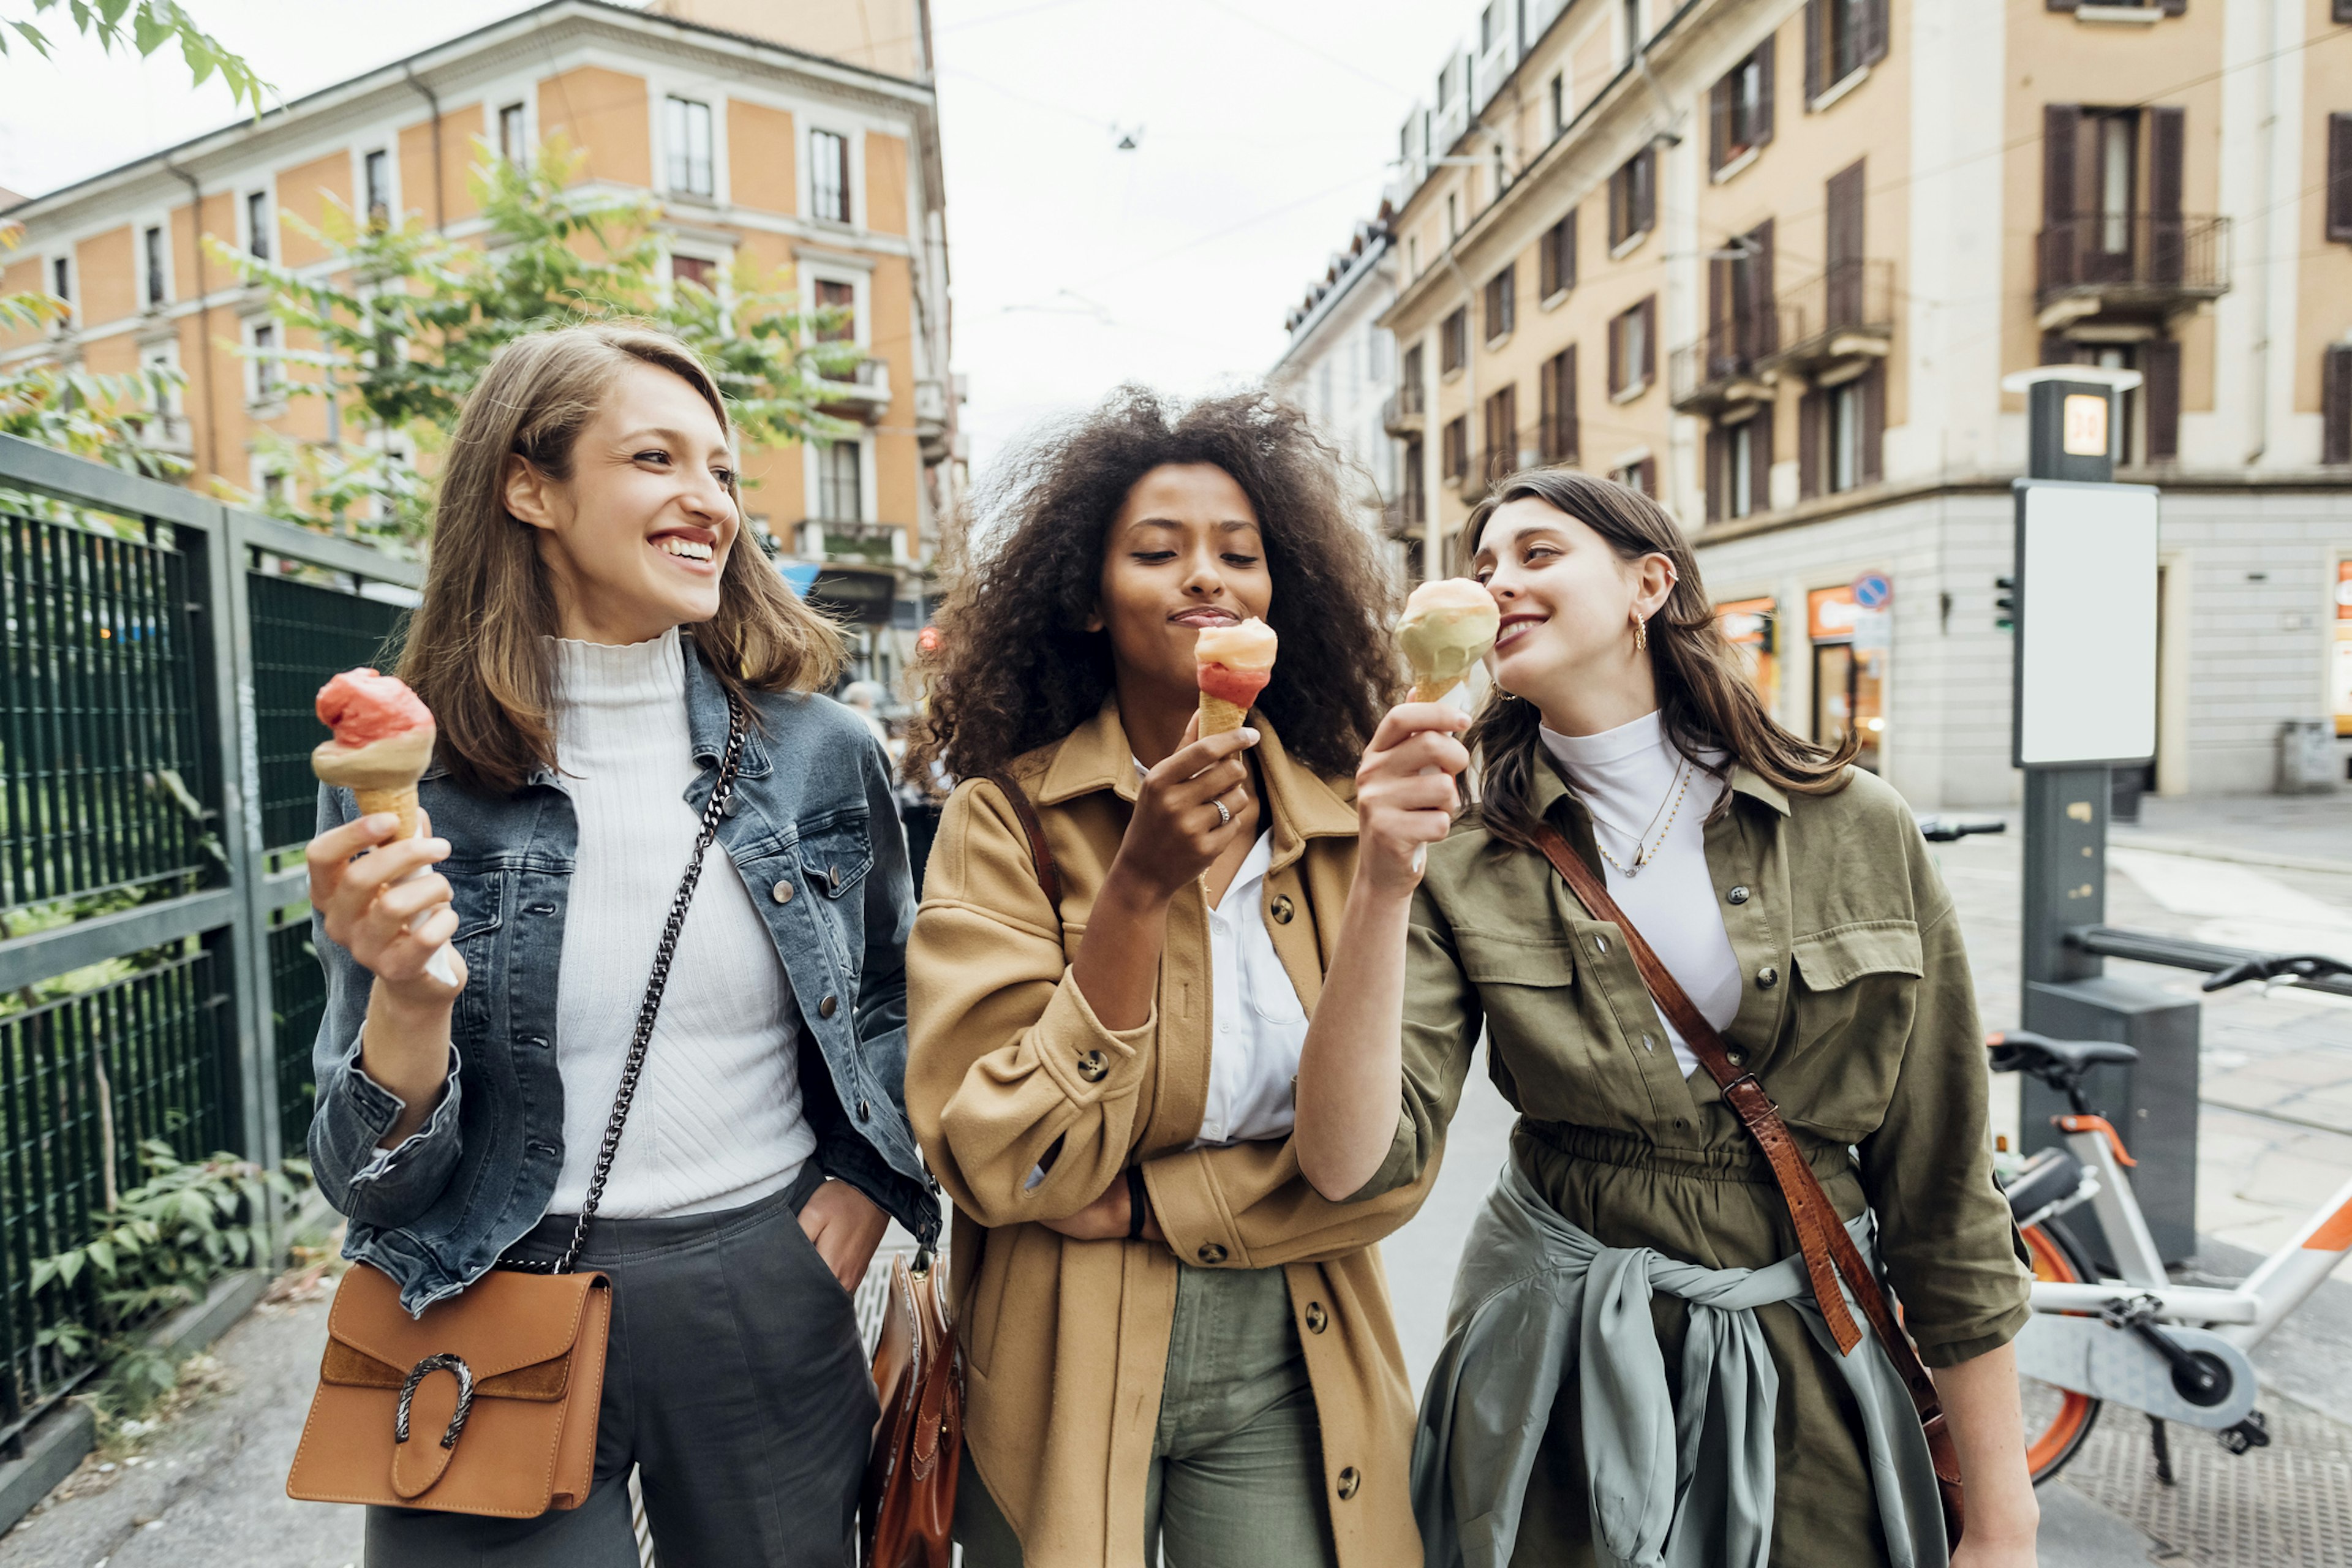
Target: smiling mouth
{"x": 683, "y": 548}
{"x": 1202, "y": 616}
{"x": 1514, "y": 627}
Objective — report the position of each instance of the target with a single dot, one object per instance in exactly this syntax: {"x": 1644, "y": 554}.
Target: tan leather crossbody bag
{"x": 486, "y": 1403}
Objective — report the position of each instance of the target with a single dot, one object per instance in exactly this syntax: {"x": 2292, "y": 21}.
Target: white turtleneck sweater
{"x": 1627, "y": 777}
{"x": 716, "y": 1120}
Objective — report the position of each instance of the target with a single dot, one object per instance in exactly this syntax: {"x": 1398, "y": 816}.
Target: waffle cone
{"x": 400, "y": 801}
{"x": 1431, "y": 690}
{"x": 1220, "y": 717}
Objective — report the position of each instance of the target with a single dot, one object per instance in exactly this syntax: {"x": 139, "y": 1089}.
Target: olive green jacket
{"x": 1858, "y": 1018}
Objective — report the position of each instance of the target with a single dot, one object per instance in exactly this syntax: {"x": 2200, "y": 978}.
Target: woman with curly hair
{"x": 1172, "y": 1342}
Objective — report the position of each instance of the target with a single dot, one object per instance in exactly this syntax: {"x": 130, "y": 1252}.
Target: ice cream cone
{"x": 1218, "y": 717}
{"x": 401, "y": 802}
{"x": 1430, "y": 691}
{"x": 1447, "y": 628}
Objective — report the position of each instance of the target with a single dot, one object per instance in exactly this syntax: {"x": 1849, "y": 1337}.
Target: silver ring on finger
{"x": 1224, "y": 815}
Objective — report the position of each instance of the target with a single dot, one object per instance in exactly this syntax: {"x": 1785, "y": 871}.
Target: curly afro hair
{"x": 1012, "y": 668}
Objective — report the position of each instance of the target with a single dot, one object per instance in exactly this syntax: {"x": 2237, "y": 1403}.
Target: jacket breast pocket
{"x": 835, "y": 856}
{"x": 1857, "y": 990}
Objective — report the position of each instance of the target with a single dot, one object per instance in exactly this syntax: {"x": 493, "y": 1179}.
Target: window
{"x": 841, "y": 297}
{"x": 839, "y": 495}
{"x": 1559, "y": 94}
{"x": 256, "y": 226}
{"x": 2335, "y": 416}
{"x": 696, "y": 269}
{"x": 1641, "y": 474}
{"x": 1634, "y": 198}
{"x": 1413, "y": 485}
{"x": 1489, "y": 20}
{"x": 511, "y": 145}
{"x": 264, "y": 368}
{"x": 1409, "y": 382}
{"x": 1740, "y": 110}
{"x": 1633, "y": 350}
{"x": 1845, "y": 437}
{"x": 2339, "y": 177}
{"x": 1502, "y": 433}
{"x": 1556, "y": 258}
{"x": 377, "y": 168}
{"x": 1556, "y": 433}
{"x": 152, "y": 254}
{"x": 1742, "y": 454}
{"x": 1502, "y": 303}
{"x": 1412, "y": 254}
{"x": 61, "y": 279}
{"x": 1739, "y": 466}
{"x": 1455, "y": 454}
{"x": 1453, "y": 342}
{"x": 2117, "y": 146}
{"x": 1841, "y": 38}
{"x": 690, "y": 147}
{"x": 829, "y": 176}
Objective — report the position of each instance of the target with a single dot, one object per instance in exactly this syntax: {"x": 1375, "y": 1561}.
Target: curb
{"x": 53, "y": 1447}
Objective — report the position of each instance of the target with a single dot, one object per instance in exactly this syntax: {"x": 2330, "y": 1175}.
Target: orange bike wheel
{"x": 2056, "y": 1419}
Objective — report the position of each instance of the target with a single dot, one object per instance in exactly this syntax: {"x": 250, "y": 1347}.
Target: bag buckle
{"x": 417, "y": 1374}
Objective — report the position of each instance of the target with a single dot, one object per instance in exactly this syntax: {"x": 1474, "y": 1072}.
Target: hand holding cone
{"x": 383, "y": 744}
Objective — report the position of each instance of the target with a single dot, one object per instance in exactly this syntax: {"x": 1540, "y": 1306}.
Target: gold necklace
{"x": 1641, "y": 856}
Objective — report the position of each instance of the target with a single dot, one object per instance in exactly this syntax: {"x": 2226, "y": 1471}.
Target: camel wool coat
{"x": 1065, "y": 1343}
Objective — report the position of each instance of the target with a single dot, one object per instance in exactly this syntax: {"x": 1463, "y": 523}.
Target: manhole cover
{"x": 2286, "y": 1506}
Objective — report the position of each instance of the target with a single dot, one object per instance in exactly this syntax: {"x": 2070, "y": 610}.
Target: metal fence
{"x": 158, "y": 658}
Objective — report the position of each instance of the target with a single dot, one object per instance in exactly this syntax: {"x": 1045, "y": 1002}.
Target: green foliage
{"x": 406, "y": 320}
{"x": 145, "y": 25}
{"x": 172, "y": 1235}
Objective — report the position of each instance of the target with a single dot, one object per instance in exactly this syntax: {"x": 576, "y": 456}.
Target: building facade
{"x": 1772, "y": 260}
{"x": 1339, "y": 366}
{"x": 801, "y": 137}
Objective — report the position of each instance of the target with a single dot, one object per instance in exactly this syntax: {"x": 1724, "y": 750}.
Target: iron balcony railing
{"x": 2136, "y": 261}
{"x": 1400, "y": 412}
{"x": 1719, "y": 366}
{"x": 1839, "y": 313}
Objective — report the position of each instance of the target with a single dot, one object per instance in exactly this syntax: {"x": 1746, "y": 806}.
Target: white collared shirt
{"x": 1259, "y": 1026}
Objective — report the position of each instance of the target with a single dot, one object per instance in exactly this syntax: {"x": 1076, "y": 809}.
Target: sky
{"x": 1263, "y": 132}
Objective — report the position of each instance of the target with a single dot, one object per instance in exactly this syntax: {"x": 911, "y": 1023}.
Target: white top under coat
{"x": 1626, "y": 778}
{"x": 1260, "y": 1025}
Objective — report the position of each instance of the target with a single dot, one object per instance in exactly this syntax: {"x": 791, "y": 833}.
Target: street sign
{"x": 2086, "y": 605}
{"x": 1872, "y": 590}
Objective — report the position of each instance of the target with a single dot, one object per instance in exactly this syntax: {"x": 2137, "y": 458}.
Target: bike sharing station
{"x": 2107, "y": 1201}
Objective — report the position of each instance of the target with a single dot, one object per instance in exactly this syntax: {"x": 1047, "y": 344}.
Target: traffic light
{"x": 2004, "y": 604}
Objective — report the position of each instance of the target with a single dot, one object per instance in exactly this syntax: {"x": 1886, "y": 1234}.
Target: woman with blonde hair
{"x": 597, "y": 634}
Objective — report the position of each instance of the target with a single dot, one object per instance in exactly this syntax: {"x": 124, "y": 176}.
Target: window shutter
{"x": 1645, "y": 477}
{"x": 1571, "y": 442}
{"x": 2339, "y": 171}
{"x": 1764, "y": 53}
{"x": 2335, "y": 392}
{"x": 1718, "y": 473}
{"x": 1808, "y": 446}
{"x": 1759, "y": 460}
{"x": 2167, "y": 138}
{"x": 1763, "y": 302}
{"x": 2060, "y": 124}
{"x": 2160, "y": 396}
{"x": 1649, "y": 309}
{"x": 1814, "y": 20}
{"x": 2062, "y": 4}
{"x": 1874, "y": 35}
{"x": 1548, "y": 410}
{"x": 1720, "y": 314}
{"x": 1646, "y": 192}
{"x": 1619, "y": 205}
{"x": 2342, "y": 11}
{"x": 1616, "y": 355}
{"x": 2176, "y": 7}
{"x": 2057, "y": 349}
{"x": 1873, "y": 465}
{"x": 1719, "y": 124}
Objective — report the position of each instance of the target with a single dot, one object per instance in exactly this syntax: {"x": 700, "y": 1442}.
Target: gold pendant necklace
{"x": 1642, "y": 856}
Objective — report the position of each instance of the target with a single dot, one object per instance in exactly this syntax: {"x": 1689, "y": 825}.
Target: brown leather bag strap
{"x": 1049, "y": 876}
{"x": 1820, "y": 1236}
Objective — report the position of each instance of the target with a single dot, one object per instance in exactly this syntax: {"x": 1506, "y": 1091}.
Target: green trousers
{"x": 1236, "y": 1476}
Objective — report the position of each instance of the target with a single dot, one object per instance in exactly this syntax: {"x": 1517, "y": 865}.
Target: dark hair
{"x": 477, "y": 648}
{"x": 1013, "y": 668}
{"x": 1706, "y": 701}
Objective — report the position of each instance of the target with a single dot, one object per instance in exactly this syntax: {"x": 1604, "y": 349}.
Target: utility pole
{"x": 2085, "y": 703}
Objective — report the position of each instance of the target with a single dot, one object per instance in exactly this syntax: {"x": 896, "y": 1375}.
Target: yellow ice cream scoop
{"x": 1447, "y": 626}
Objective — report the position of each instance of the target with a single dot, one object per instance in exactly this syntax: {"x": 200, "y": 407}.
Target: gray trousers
{"x": 734, "y": 1382}
{"x": 1236, "y": 1476}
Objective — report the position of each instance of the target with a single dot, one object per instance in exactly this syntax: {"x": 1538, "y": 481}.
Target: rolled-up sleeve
{"x": 375, "y": 1186}
{"x": 1441, "y": 1021}
{"x": 1950, "y": 1245}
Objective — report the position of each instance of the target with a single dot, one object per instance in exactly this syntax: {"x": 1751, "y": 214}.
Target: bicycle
{"x": 2176, "y": 1353}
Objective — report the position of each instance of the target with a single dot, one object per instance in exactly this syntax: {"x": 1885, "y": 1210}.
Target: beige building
{"x": 796, "y": 135}
{"x": 1772, "y": 260}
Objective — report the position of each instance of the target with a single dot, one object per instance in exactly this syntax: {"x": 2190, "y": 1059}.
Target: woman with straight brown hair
{"x": 1810, "y": 948}
{"x": 596, "y": 638}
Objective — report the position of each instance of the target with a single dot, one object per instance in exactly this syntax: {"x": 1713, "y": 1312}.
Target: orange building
{"x": 796, "y": 134}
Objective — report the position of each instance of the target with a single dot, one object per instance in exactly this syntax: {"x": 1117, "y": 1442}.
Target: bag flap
{"x": 1845, "y": 955}
{"x": 501, "y": 1321}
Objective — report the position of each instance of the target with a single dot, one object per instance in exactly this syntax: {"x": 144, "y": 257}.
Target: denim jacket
{"x": 813, "y": 813}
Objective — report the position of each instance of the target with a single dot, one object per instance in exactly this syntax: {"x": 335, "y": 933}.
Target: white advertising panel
{"x": 2086, "y": 598}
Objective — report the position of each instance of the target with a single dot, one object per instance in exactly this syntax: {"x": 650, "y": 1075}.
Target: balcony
{"x": 1400, "y": 414}
{"x": 2136, "y": 267}
{"x": 863, "y": 397}
{"x": 1719, "y": 369}
{"x": 1843, "y": 313}
{"x": 1402, "y": 517}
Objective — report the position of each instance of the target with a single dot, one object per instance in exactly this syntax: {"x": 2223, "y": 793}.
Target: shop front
{"x": 2340, "y": 655}
{"x": 1752, "y": 627}
{"x": 1848, "y": 640}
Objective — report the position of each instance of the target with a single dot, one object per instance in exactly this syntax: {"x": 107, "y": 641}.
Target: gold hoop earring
{"x": 1641, "y": 635}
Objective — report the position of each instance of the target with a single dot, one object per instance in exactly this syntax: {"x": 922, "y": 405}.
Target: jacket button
{"x": 783, "y": 891}
{"x": 1601, "y": 944}
{"x": 1094, "y": 1066}
{"x": 1735, "y": 1058}
{"x": 833, "y": 876}
{"x": 1317, "y": 1320}
{"x": 1212, "y": 1254}
{"x": 1283, "y": 909}
{"x": 827, "y": 1008}
{"x": 1767, "y": 978}
{"x": 539, "y": 1041}
{"x": 734, "y": 802}
{"x": 863, "y": 1112}
{"x": 1349, "y": 1480}
{"x": 1737, "y": 895}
